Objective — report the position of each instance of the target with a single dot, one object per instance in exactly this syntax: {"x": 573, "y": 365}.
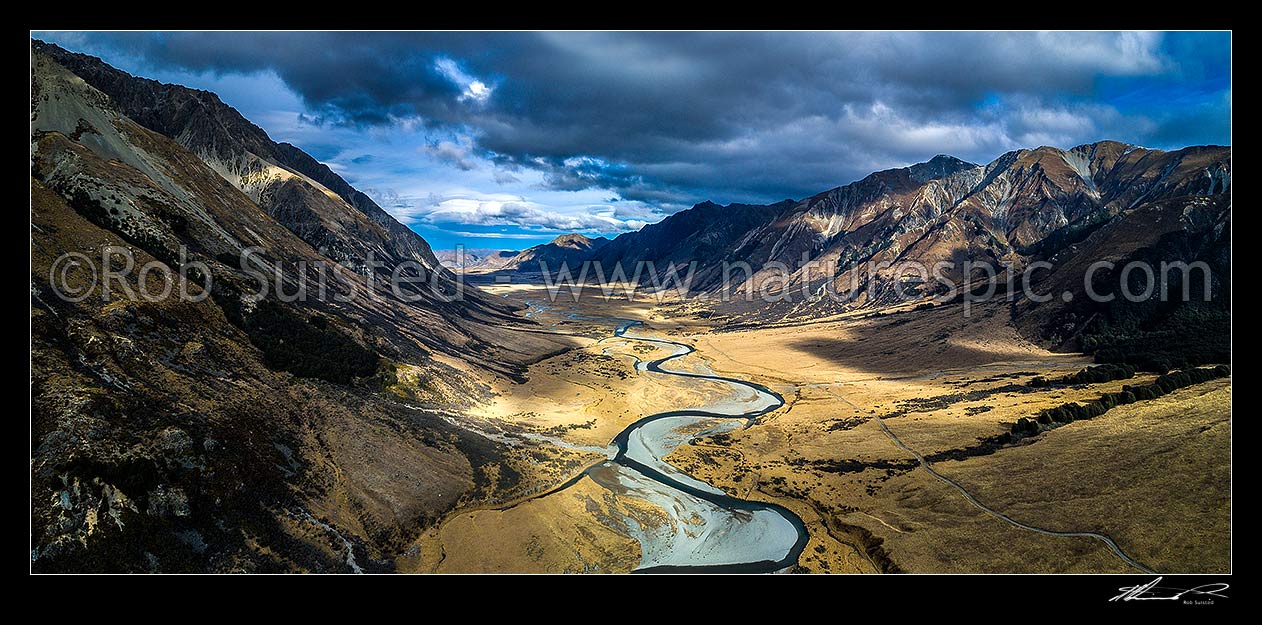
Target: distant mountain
{"x": 940, "y": 166}
{"x": 567, "y": 249}
{"x": 475, "y": 259}
{"x": 710, "y": 235}
{"x": 707, "y": 233}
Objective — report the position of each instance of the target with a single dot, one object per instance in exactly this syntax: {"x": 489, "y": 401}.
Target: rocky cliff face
{"x": 852, "y": 246}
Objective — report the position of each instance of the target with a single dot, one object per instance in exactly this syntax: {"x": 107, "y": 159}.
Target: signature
{"x": 1151, "y": 591}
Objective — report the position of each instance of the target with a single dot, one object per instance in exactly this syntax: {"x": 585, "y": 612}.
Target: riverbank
{"x": 938, "y": 382}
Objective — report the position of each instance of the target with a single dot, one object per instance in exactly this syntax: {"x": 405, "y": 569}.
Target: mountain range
{"x": 474, "y": 259}
{"x": 244, "y": 433}
{"x": 1021, "y": 205}
{"x": 1105, "y": 201}
{"x": 567, "y": 249}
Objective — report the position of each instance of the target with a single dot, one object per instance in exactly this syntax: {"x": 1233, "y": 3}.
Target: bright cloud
{"x": 473, "y": 89}
{"x": 508, "y": 210}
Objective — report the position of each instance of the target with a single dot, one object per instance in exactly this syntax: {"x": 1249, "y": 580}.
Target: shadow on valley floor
{"x": 925, "y": 341}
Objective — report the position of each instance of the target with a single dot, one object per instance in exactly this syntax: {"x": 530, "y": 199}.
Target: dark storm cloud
{"x": 672, "y": 118}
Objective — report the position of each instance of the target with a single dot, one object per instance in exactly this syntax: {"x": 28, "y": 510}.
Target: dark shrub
{"x": 292, "y": 343}
{"x": 1100, "y": 373}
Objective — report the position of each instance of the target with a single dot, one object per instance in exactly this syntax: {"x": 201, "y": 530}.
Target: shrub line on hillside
{"x": 1052, "y": 418}
{"x": 1090, "y": 375}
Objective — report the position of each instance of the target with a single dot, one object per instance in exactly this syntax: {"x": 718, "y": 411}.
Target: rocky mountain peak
{"x": 940, "y": 166}
{"x": 575, "y": 240}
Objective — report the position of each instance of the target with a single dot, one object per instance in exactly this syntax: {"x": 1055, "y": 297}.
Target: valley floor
{"x": 862, "y": 393}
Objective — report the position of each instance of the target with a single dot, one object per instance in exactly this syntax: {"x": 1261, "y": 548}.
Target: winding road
{"x": 928, "y": 467}
{"x": 924, "y": 464}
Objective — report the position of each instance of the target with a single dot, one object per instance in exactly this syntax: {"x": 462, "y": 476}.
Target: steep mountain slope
{"x": 1008, "y": 211}
{"x": 848, "y": 224}
{"x": 995, "y": 213}
{"x": 706, "y": 233}
{"x": 852, "y": 240}
{"x": 300, "y": 192}
{"x": 881, "y": 239}
{"x": 566, "y": 250}
{"x": 1186, "y": 241}
{"x": 234, "y": 430}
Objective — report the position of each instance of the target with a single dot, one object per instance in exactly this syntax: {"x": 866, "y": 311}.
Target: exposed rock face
{"x": 938, "y": 167}
{"x": 996, "y": 212}
{"x": 875, "y": 241}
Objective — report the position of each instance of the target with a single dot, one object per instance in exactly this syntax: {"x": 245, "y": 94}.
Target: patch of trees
{"x": 848, "y": 423}
{"x": 306, "y": 345}
{"x": 832, "y": 465}
{"x": 1177, "y": 380}
{"x": 387, "y": 373}
{"x": 92, "y": 210}
{"x": 1101, "y": 373}
{"x": 1195, "y": 335}
{"x": 942, "y": 402}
